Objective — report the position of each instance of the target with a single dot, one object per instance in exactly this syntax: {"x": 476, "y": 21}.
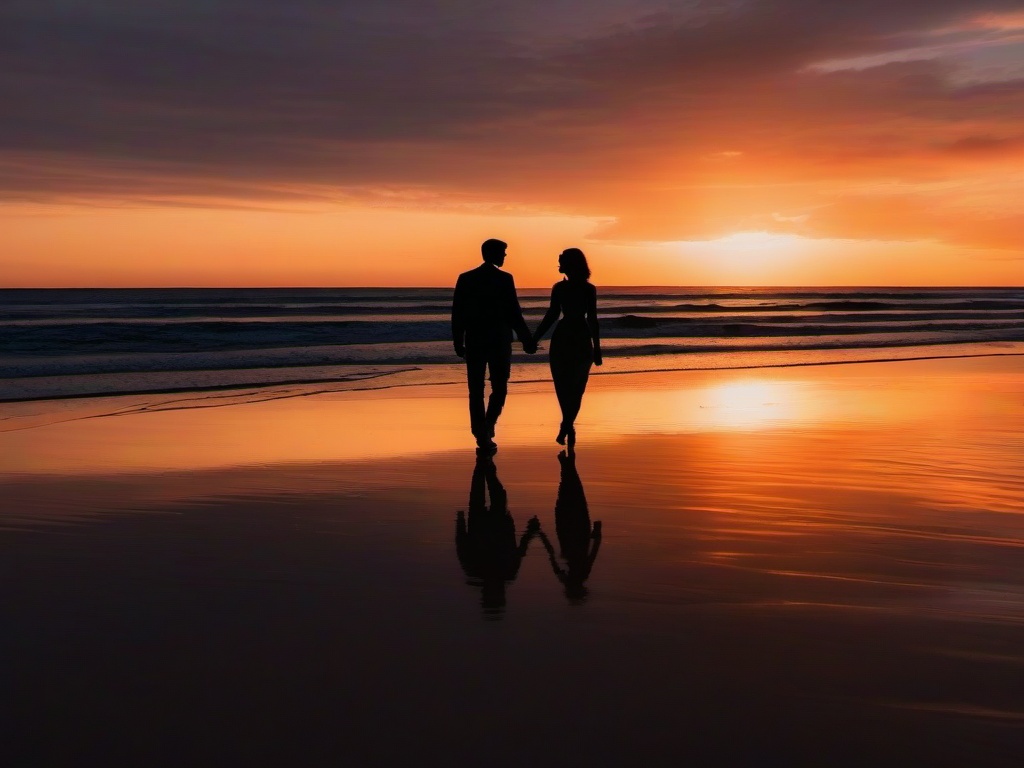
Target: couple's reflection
{"x": 490, "y": 553}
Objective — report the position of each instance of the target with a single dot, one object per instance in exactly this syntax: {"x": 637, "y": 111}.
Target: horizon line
{"x": 518, "y": 287}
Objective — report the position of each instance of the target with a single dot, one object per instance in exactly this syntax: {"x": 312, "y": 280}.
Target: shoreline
{"x": 426, "y": 417}
{"x": 351, "y": 375}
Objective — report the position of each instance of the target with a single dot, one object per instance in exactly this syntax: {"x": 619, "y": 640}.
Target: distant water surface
{"x": 58, "y": 343}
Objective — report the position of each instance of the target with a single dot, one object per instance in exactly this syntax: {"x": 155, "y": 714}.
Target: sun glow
{"x": 756, "y": 241}
{"x": 747, "y": 258}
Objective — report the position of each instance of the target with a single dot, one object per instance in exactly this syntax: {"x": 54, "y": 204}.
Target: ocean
{"x": 73, "y": 343}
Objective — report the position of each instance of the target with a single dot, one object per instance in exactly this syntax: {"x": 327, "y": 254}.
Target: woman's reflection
{"x": 486, "y": 541}
{"x": 578, "y": 541}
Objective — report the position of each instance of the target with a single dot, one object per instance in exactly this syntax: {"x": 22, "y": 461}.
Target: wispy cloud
{"x": 680, "y": 122}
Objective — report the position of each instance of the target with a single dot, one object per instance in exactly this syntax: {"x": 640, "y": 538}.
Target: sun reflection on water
{"x": 754, "y": 403}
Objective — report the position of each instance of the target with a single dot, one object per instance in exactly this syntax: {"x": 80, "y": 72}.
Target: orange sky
{"x": 760, "y": 143}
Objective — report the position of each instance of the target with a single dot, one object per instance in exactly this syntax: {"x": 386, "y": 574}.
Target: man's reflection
{"x": 485, "y": 540}
{"x": 577, "y": 540}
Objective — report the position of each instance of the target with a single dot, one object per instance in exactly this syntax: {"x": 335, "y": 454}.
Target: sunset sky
{"x": 377, "y": 142}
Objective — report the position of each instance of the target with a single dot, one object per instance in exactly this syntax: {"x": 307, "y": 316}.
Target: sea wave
{"x": 74, "y": 339}
{"x": 298, "y": 378}
{"x": 209, "y": 337}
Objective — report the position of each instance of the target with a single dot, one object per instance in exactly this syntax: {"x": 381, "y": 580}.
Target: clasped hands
{"x": 529, "y": 347}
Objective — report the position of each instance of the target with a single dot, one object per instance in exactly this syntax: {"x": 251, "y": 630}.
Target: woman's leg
{"x": 563, "y": 390}
{"x": 574, "y": 396}
{"x": 575, "y": 386}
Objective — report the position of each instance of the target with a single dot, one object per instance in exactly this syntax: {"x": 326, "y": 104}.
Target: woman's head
{"x": 573, "y": 264}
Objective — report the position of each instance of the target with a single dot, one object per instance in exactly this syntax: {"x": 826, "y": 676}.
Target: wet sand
{"x": 817, "y": 566}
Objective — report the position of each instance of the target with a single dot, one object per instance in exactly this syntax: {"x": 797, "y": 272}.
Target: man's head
{"x": 493, "y": 251}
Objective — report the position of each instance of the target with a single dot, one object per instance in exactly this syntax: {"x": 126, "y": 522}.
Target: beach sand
{"x": 818, "y": 566}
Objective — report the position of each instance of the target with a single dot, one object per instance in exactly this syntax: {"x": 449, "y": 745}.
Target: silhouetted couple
{"x": 486, "y": 313}
{"x": 490, "y": 553}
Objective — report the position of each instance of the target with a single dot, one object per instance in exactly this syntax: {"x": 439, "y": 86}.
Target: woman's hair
{"x": 574, "y": 264}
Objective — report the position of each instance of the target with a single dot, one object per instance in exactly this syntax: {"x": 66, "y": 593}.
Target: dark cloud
{"x": 569, "y": 105}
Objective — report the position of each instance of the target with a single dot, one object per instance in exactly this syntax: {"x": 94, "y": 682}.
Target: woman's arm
{"x": 554, "y": 310}
{"x": 595, "y": 328}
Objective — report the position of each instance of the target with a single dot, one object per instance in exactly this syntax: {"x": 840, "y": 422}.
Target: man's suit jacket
{"x": 485, "y": 310}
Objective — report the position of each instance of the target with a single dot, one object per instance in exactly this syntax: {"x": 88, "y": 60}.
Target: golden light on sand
{"x": 754, "y": 404}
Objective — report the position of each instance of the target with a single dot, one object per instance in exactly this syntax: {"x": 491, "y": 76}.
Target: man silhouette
{"x": 485, "y": 312}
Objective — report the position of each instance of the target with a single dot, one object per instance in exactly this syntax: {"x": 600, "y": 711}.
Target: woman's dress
{"x": 572, "y": 349}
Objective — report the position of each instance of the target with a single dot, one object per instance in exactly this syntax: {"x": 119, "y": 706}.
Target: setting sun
{"x": 876, "y": 148}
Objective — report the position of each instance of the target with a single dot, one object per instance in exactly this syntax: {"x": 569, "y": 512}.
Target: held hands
{"x": 530, "y": 346}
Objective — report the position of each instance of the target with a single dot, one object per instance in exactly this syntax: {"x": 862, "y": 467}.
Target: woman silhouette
{"x": 576, "y": 342}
